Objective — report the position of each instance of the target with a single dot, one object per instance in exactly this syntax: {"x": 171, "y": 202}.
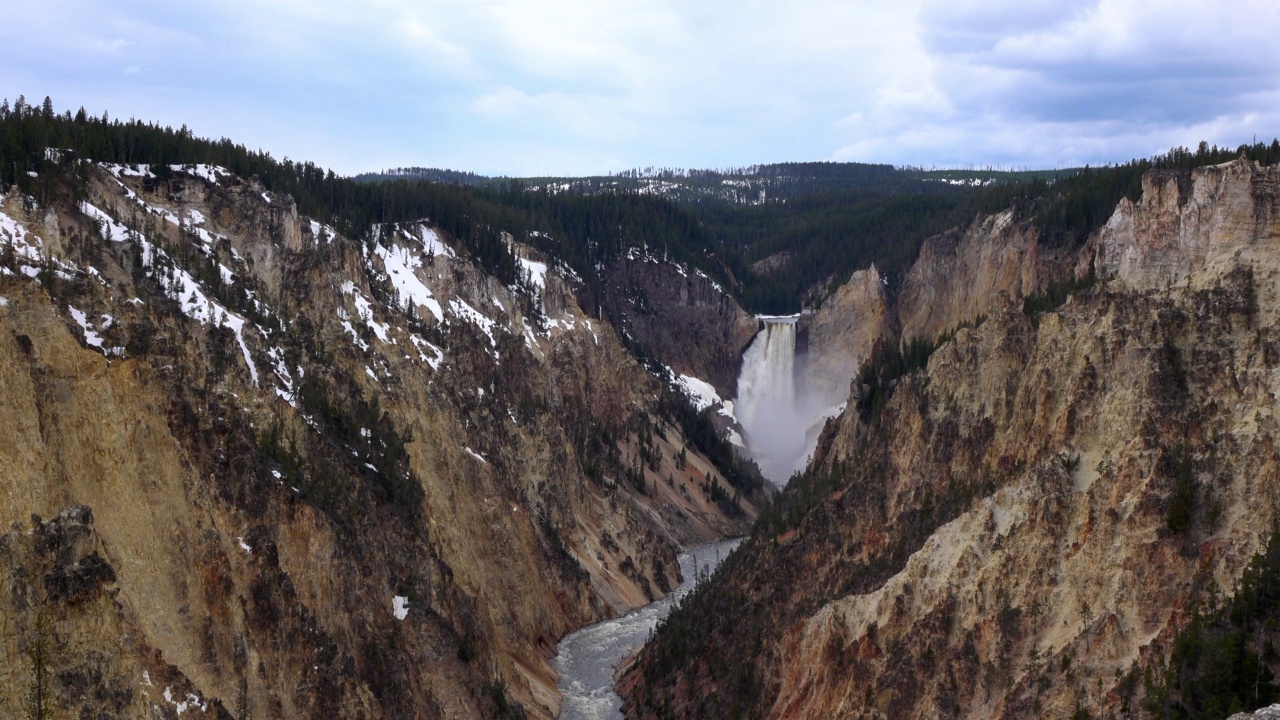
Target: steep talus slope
{"x": 313, "y": 476}
{"x": 1022, "y": 528}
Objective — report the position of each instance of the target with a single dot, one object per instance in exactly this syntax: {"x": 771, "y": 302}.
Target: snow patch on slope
{"x": 437, "y": 355}
{"x": 401, "y": 265}
{"x": 364, "y": 309}
{"x": 91, "y": 337}
{"x": 700, "y": 392}
{"x": 431, "y": 242}
{"x": 141, "y": 171}
{"x": 537, "y": 272}
{"x": 475, "y": 317}
{"x": 26, "y": 245}
{"x": 177, "y": 283}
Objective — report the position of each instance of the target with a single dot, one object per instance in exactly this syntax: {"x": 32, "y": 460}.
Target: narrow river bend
{"x": 587, "y": 659}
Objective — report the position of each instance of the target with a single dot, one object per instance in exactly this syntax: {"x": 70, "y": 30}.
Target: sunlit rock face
{"x": 1000, "y": 541}
{"x": 962, "y": 274}
{"x": 1186, "y": 223}
{"x": 310, "y": 476}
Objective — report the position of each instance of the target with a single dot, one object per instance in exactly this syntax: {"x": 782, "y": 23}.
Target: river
{"x": 586, "y": 659}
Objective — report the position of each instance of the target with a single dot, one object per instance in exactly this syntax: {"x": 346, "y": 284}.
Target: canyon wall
{"x": 683, "y": 317}
{"x": 298, "y": 475}
{"x": 1022, "y": 529}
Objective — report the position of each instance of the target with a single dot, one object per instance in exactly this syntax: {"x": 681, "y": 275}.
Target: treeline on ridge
{"x": 850, "y": 215}
{"x": 584, "y": 232}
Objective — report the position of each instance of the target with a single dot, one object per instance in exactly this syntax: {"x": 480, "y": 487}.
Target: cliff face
{"x": 683, "y": 317}
{"x": 1186, "y": 223}
{"x": 958, "y": 278}
{"x": 960, "y": 275}
{"x": 839, "y": 335}
{"x": 307, "y": 476}
{"x": 1027, "y": 520}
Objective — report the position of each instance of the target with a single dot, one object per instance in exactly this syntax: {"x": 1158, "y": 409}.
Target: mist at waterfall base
{"x": 780, "y": 419}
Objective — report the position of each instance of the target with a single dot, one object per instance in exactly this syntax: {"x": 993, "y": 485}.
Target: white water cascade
{"x": 766, "y": 406}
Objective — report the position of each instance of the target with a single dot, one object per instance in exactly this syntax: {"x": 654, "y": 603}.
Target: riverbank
{"x": 587, "y": 659}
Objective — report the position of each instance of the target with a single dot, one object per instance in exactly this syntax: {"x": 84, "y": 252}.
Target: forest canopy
{"x": 812, "y": 226}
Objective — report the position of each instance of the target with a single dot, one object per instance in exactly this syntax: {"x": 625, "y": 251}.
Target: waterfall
{"x": 766, "y": 403}
{"x": 768, "y": 372}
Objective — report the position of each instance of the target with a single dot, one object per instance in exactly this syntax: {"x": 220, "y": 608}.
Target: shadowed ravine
{"x": 586, "y": 660}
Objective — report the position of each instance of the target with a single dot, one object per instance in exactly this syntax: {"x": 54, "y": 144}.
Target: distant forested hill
{"x": 753, "y": 185}
{"x": 772, "y": 235}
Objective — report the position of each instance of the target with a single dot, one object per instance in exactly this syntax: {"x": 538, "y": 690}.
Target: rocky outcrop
{"x": 773, "y": 264}
{"x": 310, "y": 477}
{"x": 959, "y": 277}
{"x": 1186, "y": 222}
{"x": 962, "y": 274}
{"x": 681, "y": 316}
{"x": 1022, "y": 529}
{"x": 839, "y": 335}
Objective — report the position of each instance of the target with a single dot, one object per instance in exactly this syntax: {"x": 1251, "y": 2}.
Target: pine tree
{"x": 242, "y": 701}
{"x": 37, "y": 707}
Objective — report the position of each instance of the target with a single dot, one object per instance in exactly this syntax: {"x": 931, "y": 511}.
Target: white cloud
{"x": 1052, "y": 82}
{"x": 552, "y": 86}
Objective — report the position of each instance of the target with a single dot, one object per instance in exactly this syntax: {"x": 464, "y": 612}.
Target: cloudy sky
{"x": 525, "y": 87}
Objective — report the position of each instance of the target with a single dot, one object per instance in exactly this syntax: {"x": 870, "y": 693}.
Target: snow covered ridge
{"x": 210, "y": 173}
{"x": 190, "y": 220}
{"x": 402, "y": 265}
{"x": 410, "y": 268}
{"x": 406, "y": 251}
{"x": 965, "y": 182}
{"x": 142, "y": 171}
{"x": 430, "y": 239}
{"x": 745, "y": 191}
{"x": 177, "y": 283}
